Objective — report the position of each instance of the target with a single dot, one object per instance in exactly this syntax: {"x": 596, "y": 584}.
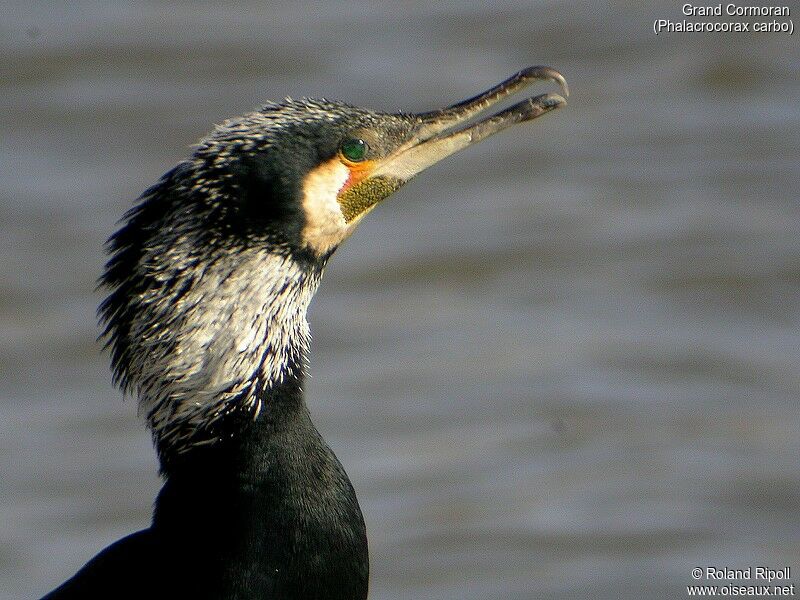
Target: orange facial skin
{"x": 358, "y": 171}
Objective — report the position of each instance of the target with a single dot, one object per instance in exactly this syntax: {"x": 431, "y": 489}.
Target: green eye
{"x": 354, "y": 150}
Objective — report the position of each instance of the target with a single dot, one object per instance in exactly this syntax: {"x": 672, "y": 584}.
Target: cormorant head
{"x": 304, "y": 173}
{"x": 211, "y": 274}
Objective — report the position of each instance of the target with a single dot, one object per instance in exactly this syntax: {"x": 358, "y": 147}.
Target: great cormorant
{"x": 209, "y": 279}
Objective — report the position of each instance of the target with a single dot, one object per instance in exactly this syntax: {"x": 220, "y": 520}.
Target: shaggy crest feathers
{"x": 264, "y": 127}
{"x": 198, "y": 339}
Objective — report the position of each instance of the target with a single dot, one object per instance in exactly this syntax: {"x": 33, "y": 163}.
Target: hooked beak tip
{"x": 540, "y": 73}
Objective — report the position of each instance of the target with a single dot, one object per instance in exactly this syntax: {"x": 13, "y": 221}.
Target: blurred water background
{"x": 563, "y": 364}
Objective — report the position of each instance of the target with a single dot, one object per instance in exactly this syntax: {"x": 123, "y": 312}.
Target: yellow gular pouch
{"x": 358, "y": 199}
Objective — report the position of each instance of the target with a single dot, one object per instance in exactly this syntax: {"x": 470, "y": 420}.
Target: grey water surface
{"x": 562, "y": 364}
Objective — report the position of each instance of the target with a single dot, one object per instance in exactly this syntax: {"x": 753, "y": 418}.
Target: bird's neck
{"x": 271, "y": 501}
{"x": 218, "y": 339}
{"x": 251, "y": 487}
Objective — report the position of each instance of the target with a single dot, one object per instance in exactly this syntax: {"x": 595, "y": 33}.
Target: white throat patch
{"x": 325, "y": 225}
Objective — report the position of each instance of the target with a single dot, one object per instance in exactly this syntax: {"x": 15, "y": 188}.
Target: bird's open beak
{"x": 440, "y": 133}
